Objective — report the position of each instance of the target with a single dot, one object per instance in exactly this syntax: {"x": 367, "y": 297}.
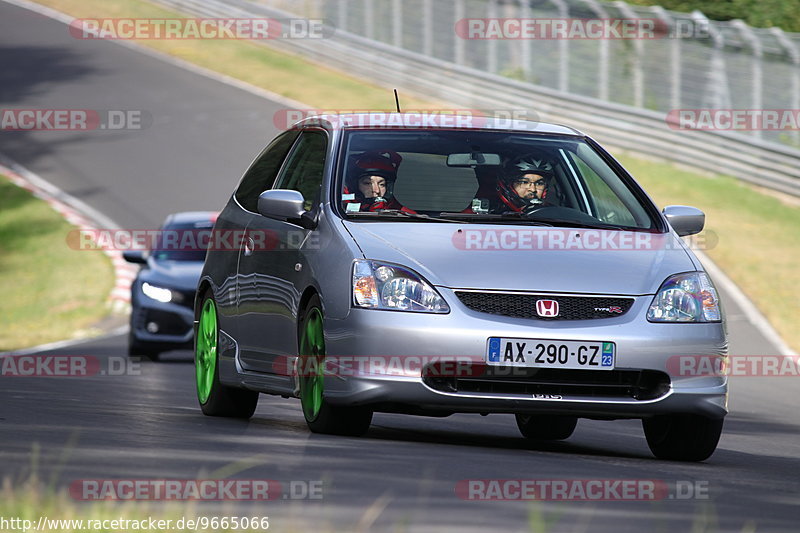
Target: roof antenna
{"x": 397, "y": 101}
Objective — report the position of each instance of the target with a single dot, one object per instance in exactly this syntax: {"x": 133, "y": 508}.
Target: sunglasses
{"x": 538, "y": 183}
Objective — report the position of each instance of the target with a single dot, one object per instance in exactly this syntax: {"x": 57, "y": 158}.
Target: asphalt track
{"x": 402, "y": 474}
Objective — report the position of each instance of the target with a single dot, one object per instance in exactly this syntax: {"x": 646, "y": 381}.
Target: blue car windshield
{"x": 183, "y": 241}
{"x": 486, "y": 175}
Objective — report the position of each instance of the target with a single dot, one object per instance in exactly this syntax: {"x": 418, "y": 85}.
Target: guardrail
{"x": 751, "y": 159}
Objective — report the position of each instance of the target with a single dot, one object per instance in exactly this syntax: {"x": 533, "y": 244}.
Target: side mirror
{"x": 685, "y": 220}
{"x": 134, "y": 256}
{"x": 285, "y": 204}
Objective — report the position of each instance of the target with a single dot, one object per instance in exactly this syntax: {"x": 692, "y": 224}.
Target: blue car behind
{"x": 163, "y": 292}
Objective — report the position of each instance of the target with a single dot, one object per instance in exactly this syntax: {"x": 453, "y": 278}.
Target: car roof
{"x": 433, "y": 120}
{"x": 190, "y": 217}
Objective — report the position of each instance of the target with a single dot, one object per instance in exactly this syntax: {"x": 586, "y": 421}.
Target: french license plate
{"x": 541, "y": 353}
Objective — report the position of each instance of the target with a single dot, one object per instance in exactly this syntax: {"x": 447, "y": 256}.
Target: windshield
{"x": 486, "y": 177}
{"x": 183, "y": 241}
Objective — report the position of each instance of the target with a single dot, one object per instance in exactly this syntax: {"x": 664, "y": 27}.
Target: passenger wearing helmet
{"x": 524, "y": 184}
{"x": 370, "y": 182}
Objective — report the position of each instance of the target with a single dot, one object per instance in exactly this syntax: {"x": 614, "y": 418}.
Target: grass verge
{"x": 759, "y": 237}
{"x": 49, "y": 291}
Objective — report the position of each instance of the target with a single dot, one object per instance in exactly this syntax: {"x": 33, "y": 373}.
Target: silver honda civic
{"x": 431, "y": 265}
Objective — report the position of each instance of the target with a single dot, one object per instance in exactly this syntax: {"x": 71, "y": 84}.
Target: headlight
{"x": 385, "y": 286}
{"x": 159, "y": 294}
{"x": 689, "y": 297}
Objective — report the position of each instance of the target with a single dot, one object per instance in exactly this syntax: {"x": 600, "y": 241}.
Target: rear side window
{"x": 263, "y": 171}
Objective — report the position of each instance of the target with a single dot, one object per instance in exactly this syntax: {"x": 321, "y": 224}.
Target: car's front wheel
{"x": 682, "y": 437}
{"x": 321, "y": 416}
{"x": 215, "y": 398}
{"x": 546, "y": 427}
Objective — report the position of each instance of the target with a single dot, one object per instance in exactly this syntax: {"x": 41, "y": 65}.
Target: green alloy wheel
{"x": 206, "y": 350}
{"x": 215, "y": 398}
{"x": 312, "y": 346}
{"x": 321, "y": 416}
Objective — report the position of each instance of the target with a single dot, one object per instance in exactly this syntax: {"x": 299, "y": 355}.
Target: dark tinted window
{"x": 183, "y": 241}
{"x": 304, "y": 169}
{"x": 262, "y": 173}
{"x": 555, "y": 179}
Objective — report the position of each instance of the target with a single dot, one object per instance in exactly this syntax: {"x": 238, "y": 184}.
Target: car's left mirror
{"x": 283, "y": 204}
{"x": 134, "y": 256}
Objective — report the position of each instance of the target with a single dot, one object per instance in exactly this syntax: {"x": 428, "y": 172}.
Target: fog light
{"x": 152, "y": 327}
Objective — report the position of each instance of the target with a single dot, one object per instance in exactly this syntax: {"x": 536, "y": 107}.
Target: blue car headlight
{"x": 160, "y": 294}
{"x": 378, "y": 285}
{"x": 688, "y": 297}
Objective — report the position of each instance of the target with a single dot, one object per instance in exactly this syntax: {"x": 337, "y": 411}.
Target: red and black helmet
{"x": 515, "y": 169}
{"x": 382, "y": 163}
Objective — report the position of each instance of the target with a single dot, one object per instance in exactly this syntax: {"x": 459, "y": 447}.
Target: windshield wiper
{"x": 588, "y": 225}
{"x": 489, "y": 218}
{"x": 393, "y": 213}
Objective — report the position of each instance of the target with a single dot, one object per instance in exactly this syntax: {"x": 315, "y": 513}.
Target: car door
{"x": 270, "y": 259}
{"x": 236, "y": 217}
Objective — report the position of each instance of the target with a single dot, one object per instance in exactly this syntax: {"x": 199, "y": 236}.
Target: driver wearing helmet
{"x": 524, "y": 184}
{"x": 370, "y": 182}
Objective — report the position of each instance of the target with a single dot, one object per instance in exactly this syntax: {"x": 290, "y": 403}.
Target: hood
{"x": 526, "y": 258}
{"x": 182, "y": 275}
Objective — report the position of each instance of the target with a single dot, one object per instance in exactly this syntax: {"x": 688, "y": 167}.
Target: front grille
{"x": 524, "y": 305}
{"x": 504, "y": 380}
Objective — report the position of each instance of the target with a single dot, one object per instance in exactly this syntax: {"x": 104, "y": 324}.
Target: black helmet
{"x": 527, "y": 164}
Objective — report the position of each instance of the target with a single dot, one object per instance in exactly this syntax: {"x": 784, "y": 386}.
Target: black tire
{"x": 321, "y": 416}
{"x": 546, "y": 427}
{"x": 222, "y": 400}
{"x": 682, "y": 437}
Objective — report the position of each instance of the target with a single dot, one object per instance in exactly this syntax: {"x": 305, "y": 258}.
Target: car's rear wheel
{"x": 321, "y": 416}
{"x": 682, "y": 437}
{"x": 215, "y": 398}
{"x": 546, "y": 427}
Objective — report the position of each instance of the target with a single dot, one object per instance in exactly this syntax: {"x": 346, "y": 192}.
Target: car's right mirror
{"x": 685, "y": 220}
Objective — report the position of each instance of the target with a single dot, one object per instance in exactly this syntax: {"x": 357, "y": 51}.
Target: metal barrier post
{"x": 563, "y": 49}
{"x": 758, "y": 55}
{"x": 603, "y": 60}
{"x": 793, "y": 53}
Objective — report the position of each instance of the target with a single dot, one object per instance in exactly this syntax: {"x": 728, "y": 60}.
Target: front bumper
{"x": 174, "y": 323}
{"x": 640, "y": 346}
